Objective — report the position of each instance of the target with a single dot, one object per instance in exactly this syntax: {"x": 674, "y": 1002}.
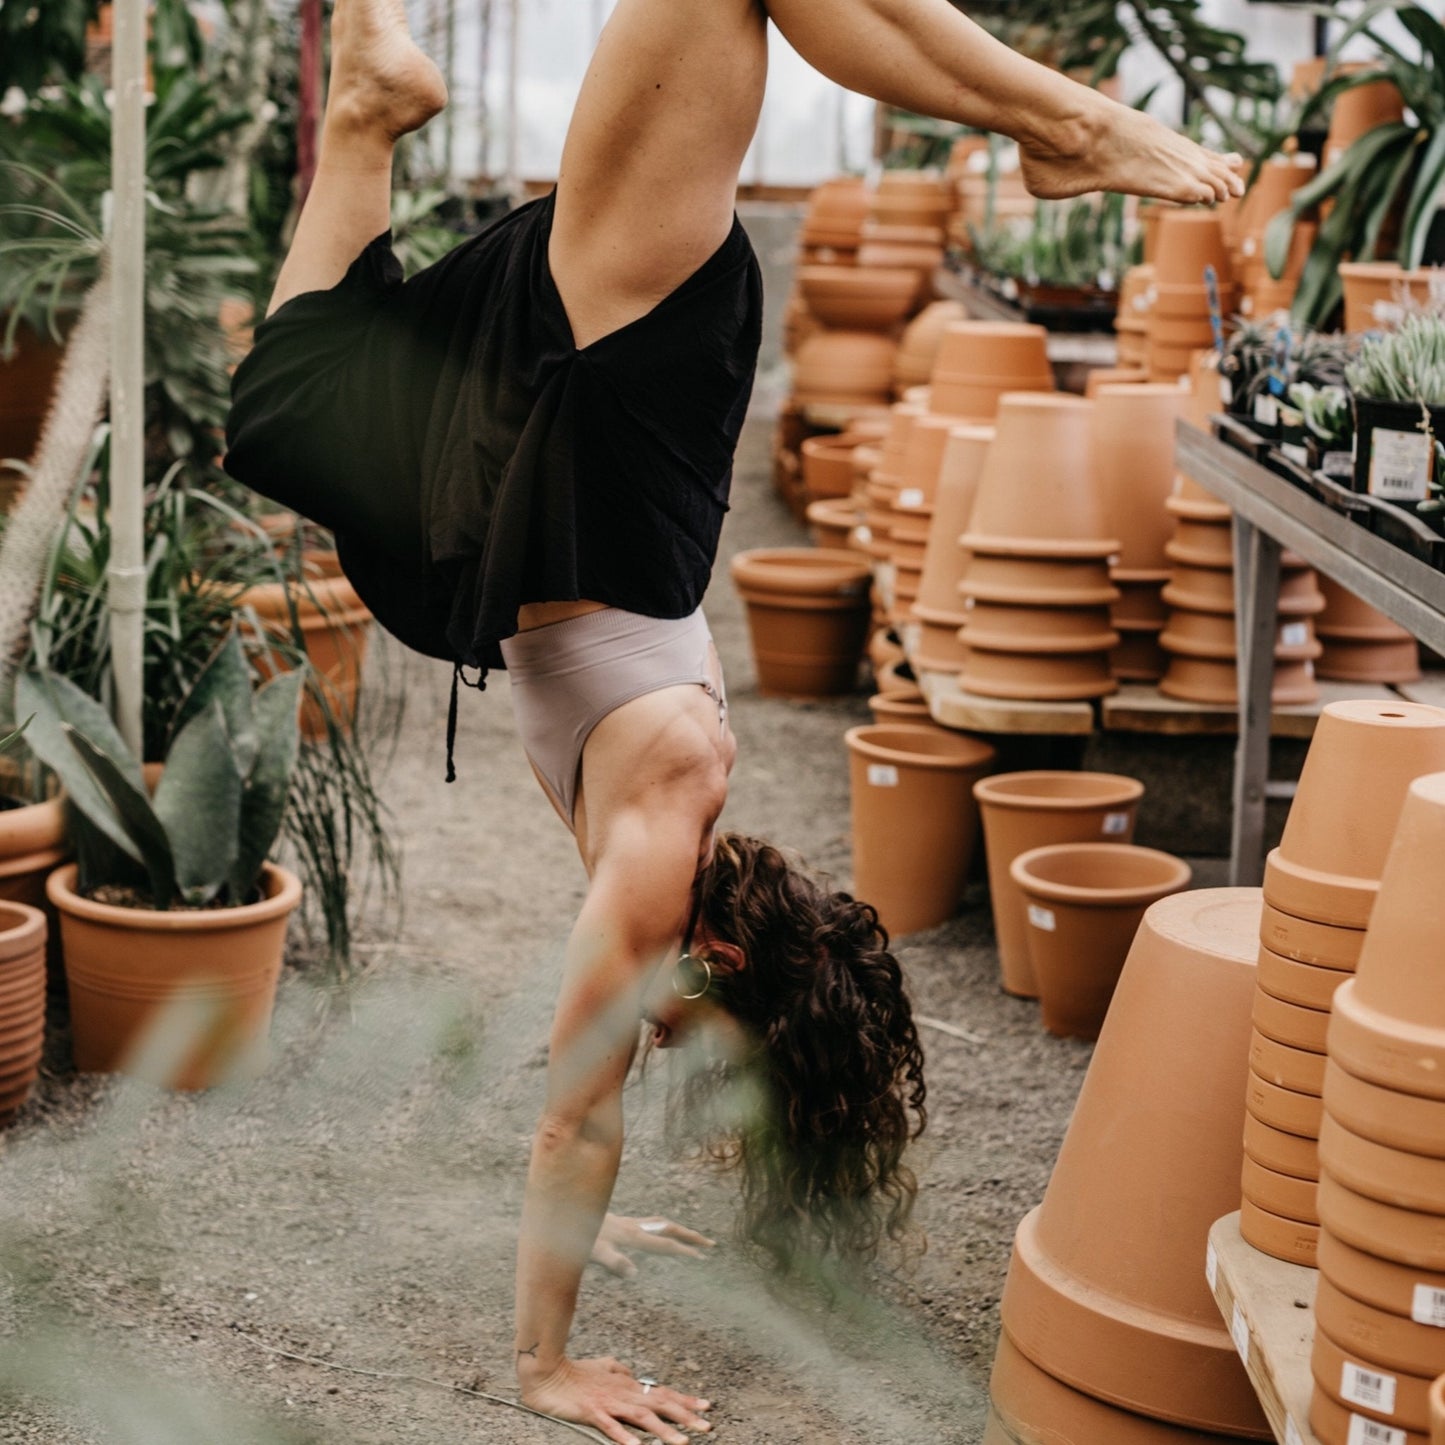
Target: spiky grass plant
{"x": 1405, "y": 365}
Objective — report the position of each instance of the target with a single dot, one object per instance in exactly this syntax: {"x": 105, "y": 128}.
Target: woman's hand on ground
{"x": 605, "y": 1395}
{"x": 653, "y": 1235}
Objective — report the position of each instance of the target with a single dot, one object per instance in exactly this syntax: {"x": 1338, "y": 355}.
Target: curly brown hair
{"x": 834, "y": 1060}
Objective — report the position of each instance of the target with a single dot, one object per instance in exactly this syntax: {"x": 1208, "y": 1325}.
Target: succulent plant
{"x": 1403, "y": 365}
{"x": 204, "y": 836}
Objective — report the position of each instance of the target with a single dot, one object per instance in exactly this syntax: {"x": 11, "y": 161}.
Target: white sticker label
{"x": 1292, "y": 1435}
{"x": 1296, "y": 453}
{"x": 883, "y": 775}
{"x": 1428, "y": 1306}
{"x": 1239, "y": 1332}
{"x": 1249, "y": 245}
{"x": 910, "y": 497}
{"x": 1294, "y": 634}
{"x": 1367, "y": 1388}
{"x": 1115, "y": 824}
{"x": 1337, "y": 464}
{"x": 1226, "y": 390}
{"x": 1211, "y": 1267}
{"x": 1042, "y": 918}
{"x": 1371, "y": 1432}
{"x": 1400, "y": 465}
{"x": 1266, "y": 409}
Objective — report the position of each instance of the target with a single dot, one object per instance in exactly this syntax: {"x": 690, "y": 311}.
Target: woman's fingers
{"x": 613, "y": 1260}
{"x": 659, "y": 1234}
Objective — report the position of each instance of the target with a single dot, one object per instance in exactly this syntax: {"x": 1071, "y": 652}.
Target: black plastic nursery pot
{"x": 1395, "y": 448}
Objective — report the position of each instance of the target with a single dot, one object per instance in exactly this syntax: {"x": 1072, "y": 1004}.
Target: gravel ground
{"x": 357, "y": 1206}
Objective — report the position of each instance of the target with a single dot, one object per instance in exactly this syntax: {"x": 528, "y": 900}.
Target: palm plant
{"x": 41, "y": 43}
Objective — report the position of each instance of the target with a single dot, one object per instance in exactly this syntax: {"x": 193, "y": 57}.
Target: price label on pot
{"x": 1400, "y": 465}
{"x": 1211, "y": 1267}
{"x": 1042, "y": 918}
{"x": 1367, "y": 1388}
{"x": 1115, "y": 824}
{"x": 1294, "y": 634}
{"x": 910, "y": 497}
{"x": 1266, "y": 409}
{"x": 1239, "y": 1332}
{"x": 1428, "y": 1306}
{"x": 1371, "y": 1432}
{"x": 883, "y": 775}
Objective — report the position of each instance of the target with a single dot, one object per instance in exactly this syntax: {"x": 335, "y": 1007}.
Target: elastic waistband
{"x": 561, "y": 646}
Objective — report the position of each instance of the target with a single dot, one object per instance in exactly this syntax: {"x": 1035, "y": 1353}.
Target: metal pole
{"x": 126, "y": 572}
{"x": 514, "y": 62}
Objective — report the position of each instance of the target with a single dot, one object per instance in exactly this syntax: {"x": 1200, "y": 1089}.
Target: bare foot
{"x": 380, "y": 79}
{"x": 1111, "y": 147}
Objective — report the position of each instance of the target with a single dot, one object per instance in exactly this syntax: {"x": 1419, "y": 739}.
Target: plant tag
{"x": 1226, "y": 390}
{"x": 1042, "y": 918}
{"x": 1211, "y": 1267}
{"x": 1367, "y": 1388}
{"x": 1115, "y": 824}
{"x": 1294, "y": 634}
{"x": 1292, "y": 1435}
{"x": 1296, "y": 453}
{"x": 1428, "y": 1306}
{"x": 1337, "y": 464}
{"x": 910, "y": 497}
{"x": 1266, "y": 409}
{"x": 1400, "y": 465}
{"x": 1371, "y": 1432}
{"x": 1239, "y": 1332}
{"x": 883, "y": 775}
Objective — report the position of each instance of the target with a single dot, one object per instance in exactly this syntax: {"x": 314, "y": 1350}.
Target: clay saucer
{"x": 1393, "y": 1176}
{"x": 1398, "y": 1289}
{"x": 1335, "y": 1424}
{"x": 1299, "y": 1070}
{"x": 1284, "y": 1109}
{"x": 1303, "y": 984}
{"x": 1290, "y": 1024}
{"x": 1385, "y": 1049}
{"x": 1302, "y": 939}
{"x": 1403, "y": 1235}
{"x": 1288, "y": 1239}
{"x": 1280, "y": 1194}
{"x": 1389, "y": 1340}
{"x": 1350, "y": 1379}
{"x": 1290, "y": 1154}
{"x": 1401, "y": 1121}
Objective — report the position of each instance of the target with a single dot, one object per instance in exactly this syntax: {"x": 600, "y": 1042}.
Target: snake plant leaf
{"x": 198, "y": 801}
{"x": 263, "y": 802}
{"x": 225, "y": 679}
{"x": 1426, "y": 29}
{"x": 134, "y": 812}
{"x": 1384, "y": 201}
{"x": 1429, "y": 188}
{"x": 55, "y": 701}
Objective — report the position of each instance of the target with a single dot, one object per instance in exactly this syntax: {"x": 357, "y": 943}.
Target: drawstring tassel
{"x": 458, "y": 677}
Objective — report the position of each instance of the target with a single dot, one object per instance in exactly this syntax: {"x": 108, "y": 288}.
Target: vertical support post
{"x": 1256, "y": 615}
{"x": 125, "y": 575}
{"x": 514, "y": 65}
{"x": 309, "y": 101}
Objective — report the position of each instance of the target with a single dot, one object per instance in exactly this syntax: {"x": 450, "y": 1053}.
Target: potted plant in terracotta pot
{"x": 172, "y": 919}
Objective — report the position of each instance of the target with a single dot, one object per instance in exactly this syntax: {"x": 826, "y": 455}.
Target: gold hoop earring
{"x": 698, "y": 980}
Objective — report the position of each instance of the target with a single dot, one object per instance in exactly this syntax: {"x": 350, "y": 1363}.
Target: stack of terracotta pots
{"x": 1278, "y": 180}
{"x": 1133, "y": 460}
{"x": 885, "y": 479}
{"x": 23, "y": 934}
{"x": 1437, "y": 1412}
{"x": 1036, "y": 584}
{"x": 918, "y": 346}
{"x": 910, "y": 525}
{"x": 905, "y": 227}
{"x": 1320, "y": 887}
{"x": 1380, "y": 1305}
{"x": 1031, "y": 810}
{"x": 833, "y": 221}
{"x": 1190, "y": 242}
{"x": 1132, "y": 322}
{"x": 1110, "y": 1331}
{"x": 1360, "y": 643}
{"x": 977, "y": 362}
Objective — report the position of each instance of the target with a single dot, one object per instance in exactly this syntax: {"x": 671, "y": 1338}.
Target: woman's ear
{"x": 729, "y": 955}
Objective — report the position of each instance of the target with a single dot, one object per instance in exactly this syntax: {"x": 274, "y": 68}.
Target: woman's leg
{"x": 382, "y": 87}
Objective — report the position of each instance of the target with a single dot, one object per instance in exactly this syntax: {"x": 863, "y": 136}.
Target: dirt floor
{"x": 357, "y": 1206}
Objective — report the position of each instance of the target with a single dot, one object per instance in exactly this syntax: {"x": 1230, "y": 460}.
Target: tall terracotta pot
{"x": 182, "y": 997}
{"x": 915, "y": 823}
{"x": 808, "y": 614}
{"x": 1132, "y": 454}
{"x": 22, "y": 1004}
{"x": 1084, "y": 902}
{"x": 1106, "y": 1289}
{"x": 1022, "y": 811}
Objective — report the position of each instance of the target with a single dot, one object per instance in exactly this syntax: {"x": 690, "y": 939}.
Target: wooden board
{"x": 1141, "y": 708}
{"x": 1430, "y": 689}
{"x": 954, "y": 708}
{"x": 1268, "y": 1305}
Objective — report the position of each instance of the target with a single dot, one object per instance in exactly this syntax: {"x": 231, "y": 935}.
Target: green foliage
{"x": 13, "y": 737}
{"x": 418, "y": 237}
{"x": 1078, "y": 244}
{"x": 1405, "y": 365}
{"x": 42, "y": 42}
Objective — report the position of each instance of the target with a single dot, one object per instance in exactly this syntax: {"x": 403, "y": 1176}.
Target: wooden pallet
{"x": 954, "y": 708}
{"x": 1142, "y": 708}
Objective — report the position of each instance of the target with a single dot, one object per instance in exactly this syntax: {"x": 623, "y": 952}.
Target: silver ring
{"x": 646, "y": 1383}
{"x": 653, "y": 1226}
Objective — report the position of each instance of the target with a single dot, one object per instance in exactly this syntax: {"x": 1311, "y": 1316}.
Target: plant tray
{"x": 1400, "y": 527}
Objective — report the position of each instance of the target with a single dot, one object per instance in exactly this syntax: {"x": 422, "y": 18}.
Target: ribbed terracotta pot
{"x": 847, "y": 368}
{"x": 183, "y": 998}
{"x": 1403, "y": 1235}
{"x": 1362, "y": 760}
{"x": 1402, "y": 1121}
{"x": 23, "y": 931}
{"x": 827, "y": 468}
{"x": 808, "y": 615}
{"x": 1105, "y": 1290}
{"x": 32, "y": 844}
{"x": 1005, "y": 575}
{"x": 1351, "y": 1379}
{"x": 854, "y": 298}
{"x": 1083, "y": 903}
{"x": 915, "y": 823}
{"x": 1047, "y": 676}
{"x": 832, "y": 521}
{"x": 1028, "y": 810}
{"x": 918, "y": 346}
{"x": 1302, "y": 939}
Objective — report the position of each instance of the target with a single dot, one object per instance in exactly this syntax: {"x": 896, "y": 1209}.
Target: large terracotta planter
{"x": 1133, "y": 462}
{"x": 1024, "y": 811}
{"x": 1105, "y": 1290}
{"x": 915, "y": 822}
{"x": 183, "y": 998}
{"x": 855, "y": 298}
{"x": 23, "y": 932}
{"x": 1083, "y": 902}
{"x": 32, "y": 844}
{"x": 808, "y": 615}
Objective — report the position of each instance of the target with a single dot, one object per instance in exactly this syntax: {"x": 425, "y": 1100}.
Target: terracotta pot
{"x": 1132, "y": 454}
{"x": 1277, "y": 181}
{"x": 1173, "y": 332}
{"x": 1333, "y": 1424}
{"x": 901, "y": 417}
{"x": 1289, "y": 1239}
{"x": 1398, "y": 1289}
{"x": 1376, "y": 663}
{"x": 26, "y": 383}
{"x": 958, "y": 475}
{"x": 1284, "y": 1109}
{"x": 922, "y": 462}
{"x": 1363, "y": 758}
{"x": 1168, "y": 363}
{"x": 1105, "y": 1290}
{"x": 1358, "y": 111}
{"x": 940, "y": 647}
{"x": 914, "y": 820}
{"x": 1083, "y": 903}
{"x": 1390, "y": 1340}
{"x": 985, "y": 349}
{"x": 1201, "y": 589}
{"x": 1197, "y": 679}
{"x": 1199, "y": 634}
{"x": 898, "y": 707}
{"x": 1029, "y": 810}
{"x": 1002, "y": 576}
{"x": 181, "y": 998}
{"x": 23, "y": 931}
{"x": 827, "y": 468}
{"x": 1338, "y": 1372}
{"x": 1102, "y": 376}
{"x": 844, "y": 368}
{"x": 1200, "y": 542}
{"x": 1370, "y": 285}
{"x": 1046, "y": 438}
{"x": 1189, "y": 241}
{"x": 1291, "y": 1154}
{"x": 1293, "y": 1026}
{"x": 1437, "y": 1412}
{"x": 1140, "y": 597}
{"x": 898, "y": 677}
{"x": 1381, "y": 1229}
{"x": 33, "y": 843}
{"x": 832, "y": 521}
{"x": 1047, "y": 676}
{"x": 1279, "y": 1194}
{"x": 1352, "y": 619}
{"x": 1030, "y": 1407}
{"x": 1000, "y": 627}
{"x": 855, "y": 298}
{"x": 808, "y": 615}
{"x": 1138, "y": 657}
{"x": 884, "y": 649}
{"x": 1308, "y": 942}
{"x": 918, "y": 346}
{"x": 1393, "y": 1176}
{"x": 1401, "y": 1121}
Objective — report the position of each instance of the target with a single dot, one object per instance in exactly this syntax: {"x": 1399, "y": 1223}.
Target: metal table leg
{"x": 1256, "y": 603}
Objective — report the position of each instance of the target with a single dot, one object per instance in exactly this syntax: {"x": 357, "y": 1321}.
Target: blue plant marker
{"x": 1216, "y": 311}
{"x": 1279, "y": 372}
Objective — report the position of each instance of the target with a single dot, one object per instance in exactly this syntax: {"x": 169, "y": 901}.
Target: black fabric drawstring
{"x": 458, "y": 676}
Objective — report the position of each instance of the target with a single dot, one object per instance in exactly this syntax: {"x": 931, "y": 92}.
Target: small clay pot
{"x": 940, "y": 647}
{"x": 1291, "y": 1154}
{"x": 1305, "y": 941}
{"x": 915, "y": 822}
{"x": 1297, "y": 1069}
{"x": 1359, "y": 110}
{"x": 1280, "y": 1194}
{"x": 832, "y": 521}
{"x": 1348, "y": 618}
{"x": 1393, "y": 1176}
{"x": 1401, "y": 1121}
{"x": 1201, "y": 589}
{"x": 844, "y": 367}
{"x": 1133, "y": 466}
{"x": 827, "y": 468}
{"x": 852, "y": 298}
{"x": 994, "y": 348}
{"x": 1189, "y": 241}
{"x": 1001, "y": 627}
{"x": 1335, "y": 1424}
{"x": 1389, "y": 1340}
{"x": 922, "y": 460}
{"x": 898, "y": 678}
{"x": 1284, "y": 1109}
{"x": 1202, "y": 680}
{"x": 1403, "y": 1235}
{"x": 1202, "y": 543}
{"x": 959, "y": 471}
{"x": 1140, "y": 599}
{"x": 1290, "y": 1025}
{"x": 1083, "y": 903}
{"x": 1138, "y": 657}
{"x": 1360, "y": 1385}
{"x": 1200, "y": 634}
{"x": 897, "y": 707}
{"x": 1369, "y": 284}
{"x": 1046, "y": 676}
{"x": 1398, "y": 1289}
{"x": 901, "y": 417}
{"x": 1376, "y": 663}
{"x": 1002, "y": 576}
{"x": 1291, "y": 1240}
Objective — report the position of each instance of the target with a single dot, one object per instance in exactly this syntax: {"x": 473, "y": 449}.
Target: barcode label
{"x": 1211, "y": 1267}
{"x": 1292, "y": 1435}
{"x": 1367, "y": 1389}
{"x": 910, "y": 497}
{"x": 1294, "y": 634}
{"x": 883, "y": 775}
{"x": 1115, "y": 823}
{"x": 1042, "y": 918}
{"x": 1428, "y": 1306}
{"x": 1239, "y": 1332}
{"x": 1400, "y": 465}
{"x": 1371, "y": 1432}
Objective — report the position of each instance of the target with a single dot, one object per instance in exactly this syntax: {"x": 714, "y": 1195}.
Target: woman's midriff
{"x": 542, "y": 614}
